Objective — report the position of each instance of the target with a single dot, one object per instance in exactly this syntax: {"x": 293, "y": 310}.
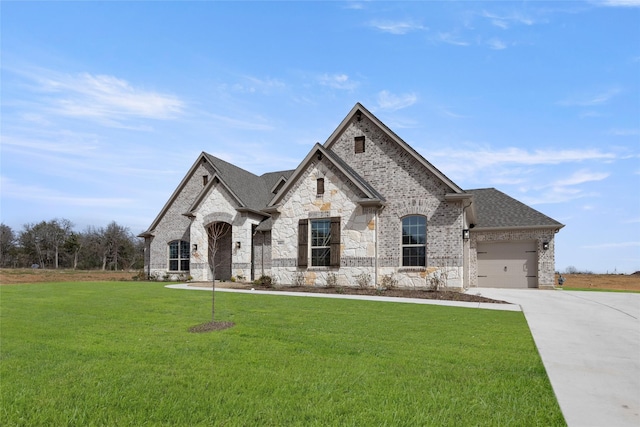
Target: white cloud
{"x": 591, "y": 100}
{"x": 86, "y": 95}
{"x": 338, "y": 81}
{"x": 450, "y": 38}
{"x": 612, "y": 245}
{"x": 12, "y": 190}
{"x": 624, "y": 132}
{"x": 580, "y": 177}
{"x": 397, "y": 27}
{"x": 507, "y": 21}
{"x": 389, "y": 101}
{"x": 496, "y": 44}
{"x": 618, "y": 3}
{"x": 486, "y": 157}
{"x": 106, "y": 99}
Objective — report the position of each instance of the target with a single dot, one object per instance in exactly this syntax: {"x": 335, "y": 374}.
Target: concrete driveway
{"x": 590, "y": 346}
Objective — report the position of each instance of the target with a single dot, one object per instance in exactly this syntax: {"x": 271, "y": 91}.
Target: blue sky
{"x": 106, "y": 105}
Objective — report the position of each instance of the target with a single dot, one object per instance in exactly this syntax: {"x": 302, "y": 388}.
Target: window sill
{"x": 411, "y": 269}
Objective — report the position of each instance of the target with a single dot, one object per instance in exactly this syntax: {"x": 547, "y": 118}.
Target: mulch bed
{"x": 400, "y": 293}
{"x": 211, "y": 326}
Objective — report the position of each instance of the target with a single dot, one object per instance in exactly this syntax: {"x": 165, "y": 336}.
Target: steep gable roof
{"x": 359, "y": 110}
{"x": 371, "y": 195}
{"x": 496, "y": 210}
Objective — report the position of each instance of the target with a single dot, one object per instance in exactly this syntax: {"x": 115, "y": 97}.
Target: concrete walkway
{"x": 590, "y": 346}
{"x": 589, "y": 343}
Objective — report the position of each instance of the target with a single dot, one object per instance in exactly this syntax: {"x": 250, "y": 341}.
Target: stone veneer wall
{"x": 357, "y": 250}
{"x": 173, "y": 225}
{"x": 235, "y": 255}
{"x": 409, "y": 189}
{"x": 546, "y": 258}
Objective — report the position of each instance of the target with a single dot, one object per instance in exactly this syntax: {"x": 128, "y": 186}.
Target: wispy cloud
{"x": 451, "y": 38}
{"x": 624, "y": 132}
{"x": 338, "y": 81}
{"x": 13, "y": 190}
{"x": 612, "y": 245}
{"x": 591, "y": 100}
{"x": 617, "y": 3}
{"x": 389, "y": 101}
{"x": 487, "y": 157}
{"x": 251, "y": 84}
{"x": 496, "y": 44}
{"x": 256, "y": 123}
{"x": 580, "y": 177}
{"x": 506, "y": 21}
{"x": 109, "y": 100}
{"x": 397, "y": 27}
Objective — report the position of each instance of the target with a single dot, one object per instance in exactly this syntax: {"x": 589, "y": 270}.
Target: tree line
{"x": 55, "y": 244}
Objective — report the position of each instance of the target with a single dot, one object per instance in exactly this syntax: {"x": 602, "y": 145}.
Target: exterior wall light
{"x": 465, "y": 234}
{"x": 545, "y": 245}
{"x": 238, "y": 245}
{"x": 194, "y": 247}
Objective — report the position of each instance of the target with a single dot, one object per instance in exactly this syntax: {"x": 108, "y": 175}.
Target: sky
{"x": 106, "y": 105}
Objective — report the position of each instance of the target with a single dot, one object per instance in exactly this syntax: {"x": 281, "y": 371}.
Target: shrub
{"x": 332, "y": 280}
{"x": 388, "y": 282}
{"x": 363, "y": 280}
{"x": 438, "y": 280}
{"x": 266, "y": 281}
{"x": 298, "y": 279}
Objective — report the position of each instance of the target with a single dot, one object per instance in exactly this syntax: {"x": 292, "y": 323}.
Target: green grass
{"x": 109, "y": 353}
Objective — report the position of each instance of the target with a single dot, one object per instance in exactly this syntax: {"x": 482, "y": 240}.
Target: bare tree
{"x": 216, "y": 233}
{"x": 8, "y": 249}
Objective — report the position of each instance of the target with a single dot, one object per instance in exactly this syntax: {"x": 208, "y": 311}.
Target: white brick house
{"x": 362, "y": 205}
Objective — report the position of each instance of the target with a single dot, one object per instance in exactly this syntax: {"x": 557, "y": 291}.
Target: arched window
{"x": 179, "y": 255}
{"x": 414, "y": 241}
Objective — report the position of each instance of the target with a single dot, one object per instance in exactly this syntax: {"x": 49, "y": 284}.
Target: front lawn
{"x": 112, "y": 353}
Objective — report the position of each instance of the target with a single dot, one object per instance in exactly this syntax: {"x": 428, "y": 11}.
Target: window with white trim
{"x": 179, "y": 255}
{"x": 414, "y": 241}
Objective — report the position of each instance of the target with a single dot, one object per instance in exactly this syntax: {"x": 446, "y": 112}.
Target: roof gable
{"x": 372, "y": 196}
{"x": 357, "y": 112}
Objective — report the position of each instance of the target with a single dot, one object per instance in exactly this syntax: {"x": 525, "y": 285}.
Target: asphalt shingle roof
{"x": 253, "y": 191}
{"x": 495, "y": 209}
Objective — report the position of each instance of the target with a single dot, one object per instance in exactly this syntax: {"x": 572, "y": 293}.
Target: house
{"x": 361, "y": 208}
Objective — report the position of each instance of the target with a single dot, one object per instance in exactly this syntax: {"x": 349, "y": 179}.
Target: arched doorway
{"x": 219, "y": 256}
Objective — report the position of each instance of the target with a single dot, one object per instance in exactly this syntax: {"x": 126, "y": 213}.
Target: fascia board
{"x": 514, "y": 228}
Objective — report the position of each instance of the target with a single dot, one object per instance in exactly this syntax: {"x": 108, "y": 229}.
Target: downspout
{"x": 375, "y": 237}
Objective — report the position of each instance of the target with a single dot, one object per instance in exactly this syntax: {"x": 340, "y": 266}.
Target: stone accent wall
{"x": 409, "y": 189}
{"x": 235, "y": 253}
{"x": 546, "y": 258}
{"x": 174, "y": 225}
{"x": 357, "y": 226}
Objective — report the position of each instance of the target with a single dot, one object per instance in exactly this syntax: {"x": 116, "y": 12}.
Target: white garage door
{"x": 507, "y": 265}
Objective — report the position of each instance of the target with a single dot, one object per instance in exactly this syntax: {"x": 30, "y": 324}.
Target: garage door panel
{"x": 507, "y": 265}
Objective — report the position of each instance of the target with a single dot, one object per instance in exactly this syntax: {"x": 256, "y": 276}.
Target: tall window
{"x": 179, "y": 255}
{"x": 320, "y": 242}
{"x": 414, "y": 241}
